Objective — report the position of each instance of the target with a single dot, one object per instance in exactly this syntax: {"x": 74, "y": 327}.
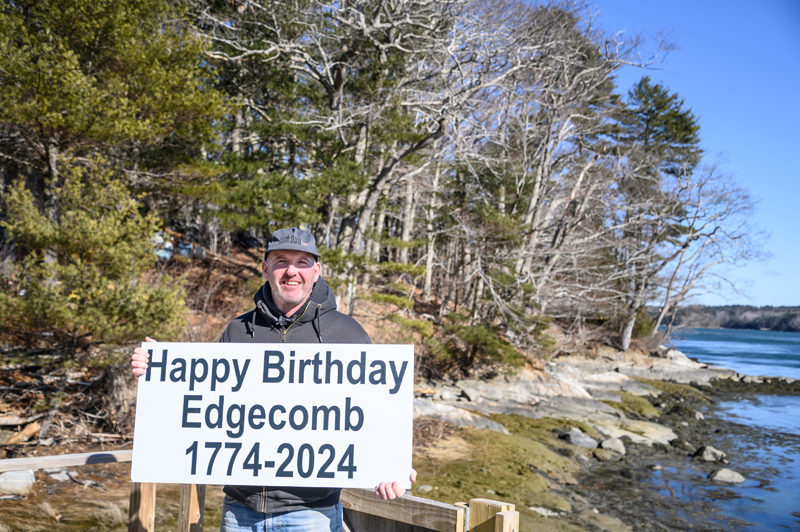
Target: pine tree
{"x": 659, "y": 149}
{"x": 83, "y": 276}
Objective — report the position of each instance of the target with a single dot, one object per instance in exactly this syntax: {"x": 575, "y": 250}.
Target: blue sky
{"x": 737, "y": 66}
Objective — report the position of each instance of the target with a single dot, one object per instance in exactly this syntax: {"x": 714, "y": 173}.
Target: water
{"x": 749, "y": 352}
{"x": 770, "y": 498}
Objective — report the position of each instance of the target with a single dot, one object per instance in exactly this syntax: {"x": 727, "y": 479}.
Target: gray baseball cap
{"x": 294, "y": 239}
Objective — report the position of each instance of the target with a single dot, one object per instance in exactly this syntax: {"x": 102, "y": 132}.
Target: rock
{"x": 683, "y": 445}
{"x": 525, "y": 388}
{"x": 544, "y": 511}
{"x": 58, "y": 473}
{"x": 747, "y": 379}
{"x": 726, "y": 476}
{"x": 455, "y": 415}
{"x": 471, "y": 393}
{"x": 425, "y": 488}
{"x": 604, "y": 455}
{"x": 638, "y": 431}
{"x": 699, "y": 416}
{"x": 577, "y": 437}
{"x": 448, "y": 395}
{"x": 707, "y": 453}
{"x": 16, "y": 482}
{"x": 613, "y": 444}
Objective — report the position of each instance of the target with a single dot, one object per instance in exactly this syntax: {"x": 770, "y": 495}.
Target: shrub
{"x": 392, "y": 299}
{"x": 423, "y": 327}
{"x": 80, "y": 269}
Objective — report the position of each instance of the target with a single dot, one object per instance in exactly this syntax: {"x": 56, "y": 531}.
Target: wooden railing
{"x": 362, "y": 510}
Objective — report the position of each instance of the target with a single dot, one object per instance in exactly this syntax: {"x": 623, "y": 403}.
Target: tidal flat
{"x": 559, "y": 486}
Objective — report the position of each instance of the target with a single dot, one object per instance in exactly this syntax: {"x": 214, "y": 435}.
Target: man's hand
{"x": 140, "y": 358}
{"x": 391, "y": 490}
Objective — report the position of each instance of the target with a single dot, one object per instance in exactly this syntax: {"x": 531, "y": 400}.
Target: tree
{"x": 717, "y": 229}
{"x": 83, "y": 277}
{"x": 525, "y": 172}
{"x": 86, "y": 75}
{"x": 93, "y": 94}
{"x": 659, "y": 150}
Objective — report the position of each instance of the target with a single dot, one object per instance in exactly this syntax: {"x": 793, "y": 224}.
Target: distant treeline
{"x": 739, "y": 317}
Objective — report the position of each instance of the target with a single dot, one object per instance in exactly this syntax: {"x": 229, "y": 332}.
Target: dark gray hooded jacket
{"x": 317, "y": 321}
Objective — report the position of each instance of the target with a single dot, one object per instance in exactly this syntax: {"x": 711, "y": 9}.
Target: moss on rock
{"x": 634, "y": 406}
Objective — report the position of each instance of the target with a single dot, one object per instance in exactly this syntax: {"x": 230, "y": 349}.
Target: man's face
{"x": 291, "y": 275}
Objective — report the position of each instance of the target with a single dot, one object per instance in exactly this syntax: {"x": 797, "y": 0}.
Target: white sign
{"x": 321, "y": 415}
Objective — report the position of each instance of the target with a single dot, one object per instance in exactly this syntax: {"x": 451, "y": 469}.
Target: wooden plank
{"x": 408, "y": 509}
{"x": 142, "y": 510}
{"x": 482, "y": 514}
{"x": 64, "y": 460}
{"x": 358, "y": 522}
{"x": 506, "y": 521}
{"x": 191, "y": 506}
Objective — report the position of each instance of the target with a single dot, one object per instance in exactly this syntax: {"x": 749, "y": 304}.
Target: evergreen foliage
{"x": 84, "y": 276}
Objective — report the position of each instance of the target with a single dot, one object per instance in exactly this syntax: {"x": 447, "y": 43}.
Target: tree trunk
{"x": 408, "y": 219}
{"x": 627, "y": 332}
{"x": 430, "y": 251}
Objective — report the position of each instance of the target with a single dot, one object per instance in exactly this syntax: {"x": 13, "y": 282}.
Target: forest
{"x": 472, "y": 163}
{"x": 785, "y": 319}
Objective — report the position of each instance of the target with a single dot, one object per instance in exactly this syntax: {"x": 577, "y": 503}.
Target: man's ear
{"x": 317, "y": 270}
{"x": 264, "y": 268}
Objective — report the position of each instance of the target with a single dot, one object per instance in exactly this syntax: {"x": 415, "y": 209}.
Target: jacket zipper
{"x": 283, "y": 341}
{"x": 286, "y": 330}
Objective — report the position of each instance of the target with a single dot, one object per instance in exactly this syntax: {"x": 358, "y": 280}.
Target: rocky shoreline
{"x": 638, "y": 428}
{"x": 604, "y": 440}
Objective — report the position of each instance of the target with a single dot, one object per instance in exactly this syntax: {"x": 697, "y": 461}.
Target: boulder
{"x": 577, "y": 437}
{"x": 16, "y": 482}
{"x": 613, "y": 444}
{"x": 707, "y": 453}
{"x": 726, "y": 476}
{"x": 524, "y": 388}
{"x": 455, "y": 415}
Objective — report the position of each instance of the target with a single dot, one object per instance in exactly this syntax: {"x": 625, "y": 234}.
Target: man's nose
{"x": 291, "y": 269}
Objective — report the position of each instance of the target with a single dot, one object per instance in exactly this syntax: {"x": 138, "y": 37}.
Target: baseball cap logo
{"x": 292, "y": 238}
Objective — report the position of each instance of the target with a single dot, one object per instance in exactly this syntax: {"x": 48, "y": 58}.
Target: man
{"x": 293, "y": 306}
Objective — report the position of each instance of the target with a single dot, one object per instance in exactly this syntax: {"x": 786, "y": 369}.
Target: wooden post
{"x": 365, "y": 512}
{"x": 482, "y": 514}
{"x": 142, "y": 511}
{"x": 190, "y": 510}
{"x": 506, "y": 521}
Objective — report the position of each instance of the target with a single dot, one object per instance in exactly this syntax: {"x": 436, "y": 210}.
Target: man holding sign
{"x": 294, "y": 306}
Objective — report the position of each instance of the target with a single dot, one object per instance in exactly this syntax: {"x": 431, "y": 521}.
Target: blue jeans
{"x": 236, "y": 517}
